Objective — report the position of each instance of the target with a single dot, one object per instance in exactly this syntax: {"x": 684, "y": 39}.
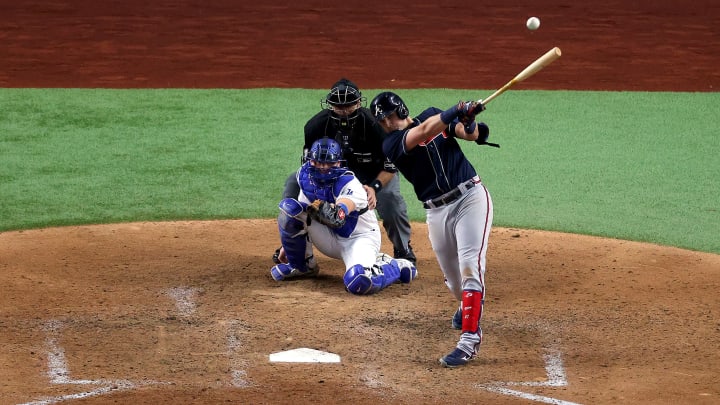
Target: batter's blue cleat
{"x": 457, "y": 319}
{"x": 466, "y": 350}
{"x": 284, "y": 271}
{"x": 457, "y": 358}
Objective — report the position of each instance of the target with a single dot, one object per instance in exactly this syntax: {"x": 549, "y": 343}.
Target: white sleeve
{"x": 303, "y": 198}
{"x": 355, "y": 192}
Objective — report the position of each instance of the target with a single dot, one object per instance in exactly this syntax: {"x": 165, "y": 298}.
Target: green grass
{"x": 630, "y": 165}
{"x": 639, "y": 166}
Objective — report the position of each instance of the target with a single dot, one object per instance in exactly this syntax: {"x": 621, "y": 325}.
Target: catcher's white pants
{"x": 359, "y": 248}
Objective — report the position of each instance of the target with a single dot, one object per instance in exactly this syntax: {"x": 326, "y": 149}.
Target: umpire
{"x": 344, "y": 118}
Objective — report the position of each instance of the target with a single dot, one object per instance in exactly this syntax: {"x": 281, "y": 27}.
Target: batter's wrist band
{"x": 448, "y": 115}
{"x": 376, "y": 185}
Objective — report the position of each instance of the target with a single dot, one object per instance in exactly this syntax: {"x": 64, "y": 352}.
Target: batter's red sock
{"x": 472, "y": 306}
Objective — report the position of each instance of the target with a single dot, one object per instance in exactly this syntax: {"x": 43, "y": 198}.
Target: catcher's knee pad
{"x": 288, "y": 219}
{"x": 360, "y": 280}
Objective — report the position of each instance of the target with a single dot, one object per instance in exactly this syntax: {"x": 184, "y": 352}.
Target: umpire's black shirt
{"x": 361, "y": 144}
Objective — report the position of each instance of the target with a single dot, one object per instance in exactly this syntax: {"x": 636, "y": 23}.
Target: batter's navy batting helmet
{"x": 325, "y": 150}
{"x": 387, "y": 103}
{"x": 344, "y": 94}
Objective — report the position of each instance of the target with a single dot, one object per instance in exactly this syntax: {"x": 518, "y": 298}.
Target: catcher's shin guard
{"x": 293, "y": 233}
{"x": 361, "y": 280}
{"x": 284, "y": 271}
{"x": 396, "y": 269}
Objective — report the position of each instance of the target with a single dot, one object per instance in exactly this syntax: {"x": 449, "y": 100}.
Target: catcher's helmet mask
{"x": 344, "y": 101}
{"x": 324, "y": 152}
{"x": 387, "y": 103}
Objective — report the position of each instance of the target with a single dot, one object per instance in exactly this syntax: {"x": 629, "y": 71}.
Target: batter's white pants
{"x": 459, "y": 234}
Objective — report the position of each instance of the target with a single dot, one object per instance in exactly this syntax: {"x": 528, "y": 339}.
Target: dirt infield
{"x": 187, "y": 312}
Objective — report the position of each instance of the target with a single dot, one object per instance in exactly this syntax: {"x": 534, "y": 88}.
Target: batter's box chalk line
{"x": 59, "y": 373}
{"x": 555, "y": 378}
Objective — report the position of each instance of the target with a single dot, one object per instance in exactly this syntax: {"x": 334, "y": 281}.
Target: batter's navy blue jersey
{"x": 361, "y": 144}
{"x": 435, "y": 166}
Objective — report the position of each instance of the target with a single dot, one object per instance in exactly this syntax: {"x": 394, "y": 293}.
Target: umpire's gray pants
{"x": 292, "y": 188}
{"x": 391, "y": 208}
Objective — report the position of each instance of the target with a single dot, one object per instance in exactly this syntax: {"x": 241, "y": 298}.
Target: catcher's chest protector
{"x": 325, "y": 192}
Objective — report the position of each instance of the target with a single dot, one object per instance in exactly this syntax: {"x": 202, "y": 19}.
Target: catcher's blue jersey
{"x": 435, "y": 166}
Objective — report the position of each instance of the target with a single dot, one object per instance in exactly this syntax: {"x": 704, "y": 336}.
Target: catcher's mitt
{"x": 326, "y": 213}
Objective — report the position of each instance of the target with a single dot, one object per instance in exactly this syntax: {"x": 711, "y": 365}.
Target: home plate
{"x": 304, "y": 355}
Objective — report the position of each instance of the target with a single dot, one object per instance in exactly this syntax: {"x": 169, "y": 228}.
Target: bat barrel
{"x": 548, "y": 58}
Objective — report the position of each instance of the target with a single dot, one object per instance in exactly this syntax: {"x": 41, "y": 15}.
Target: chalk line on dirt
{"x": 59, "y": 373}
{"x": 556, "y": 377}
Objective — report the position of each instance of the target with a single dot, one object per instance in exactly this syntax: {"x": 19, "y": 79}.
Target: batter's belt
{"x": 452, "y": 195}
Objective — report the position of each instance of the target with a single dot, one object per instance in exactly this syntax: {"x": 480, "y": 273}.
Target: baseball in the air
{"x": 533, "y": 23}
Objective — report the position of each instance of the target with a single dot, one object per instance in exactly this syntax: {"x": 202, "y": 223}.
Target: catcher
{"x": 332, "y": 213}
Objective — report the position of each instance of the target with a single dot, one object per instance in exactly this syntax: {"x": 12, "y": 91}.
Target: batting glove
{"x": 471, "y": 108}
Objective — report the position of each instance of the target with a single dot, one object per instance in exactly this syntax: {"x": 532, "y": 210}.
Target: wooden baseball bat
{"x": 530, "y": 70}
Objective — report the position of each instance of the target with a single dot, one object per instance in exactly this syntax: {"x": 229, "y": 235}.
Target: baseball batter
{"x": 458, "y": 207}
{"x": 332, "y": 213}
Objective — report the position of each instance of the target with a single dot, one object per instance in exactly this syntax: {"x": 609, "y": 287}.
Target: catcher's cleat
{"x": 284, "y": 271}
{"x": 457, "y": 319}
{"x": 456, "y": 358}
{"x": 408, "y": 271}
{"x": 276, "y": 256}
